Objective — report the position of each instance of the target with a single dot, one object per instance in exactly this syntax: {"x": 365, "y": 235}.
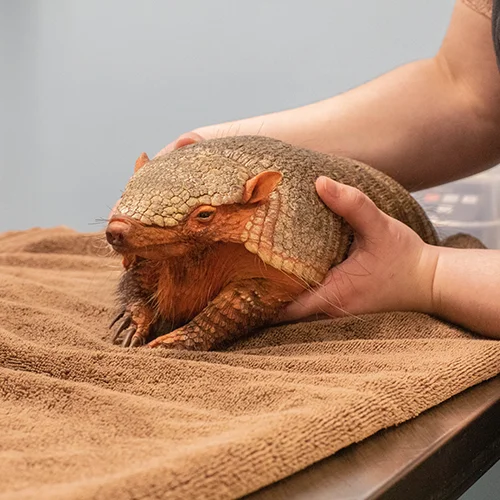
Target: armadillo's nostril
{"x": 116, "y": 232}
{"x": 114, "y": 238}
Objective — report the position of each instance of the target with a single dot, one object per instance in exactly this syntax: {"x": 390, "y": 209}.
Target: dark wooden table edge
{"x": 464, "y": 469}
{"x": 424, "y": 477}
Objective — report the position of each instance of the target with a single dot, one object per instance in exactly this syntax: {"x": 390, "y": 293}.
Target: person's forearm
{"x": 425, "y": 123}
{"x": 411, "y": 123}
{"x": 466, "y": 289}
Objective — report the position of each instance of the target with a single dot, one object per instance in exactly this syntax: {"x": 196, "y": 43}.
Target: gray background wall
{"x": 88, "y": 85}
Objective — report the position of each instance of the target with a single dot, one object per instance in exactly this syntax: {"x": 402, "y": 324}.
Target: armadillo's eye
{"x": 205, "y": 214}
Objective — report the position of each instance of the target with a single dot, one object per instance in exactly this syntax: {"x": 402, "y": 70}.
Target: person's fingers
{"x": 186, "y": 139}
{"x": 305, "y": 305}
{"x": 354, "y": 206}
{"x": 180, "y": 142}
{"x": 167, "y": 149}
{"x": 317, "y": 302}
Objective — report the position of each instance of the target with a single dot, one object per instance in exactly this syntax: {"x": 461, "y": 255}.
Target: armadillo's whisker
{"x": 260, "y": 128}
{"x": 311, "y": 289}
{"x": 339, "y": 308}
{"x": 361, "y": 274}
{"x": 331, "y": 304}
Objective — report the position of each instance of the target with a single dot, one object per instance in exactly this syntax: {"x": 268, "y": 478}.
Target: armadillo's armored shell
{"x": 294, "y": 231}
{"x": 167, "y": 188}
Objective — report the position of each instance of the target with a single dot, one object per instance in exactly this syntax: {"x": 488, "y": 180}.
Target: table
{"x": 437, "y": 455}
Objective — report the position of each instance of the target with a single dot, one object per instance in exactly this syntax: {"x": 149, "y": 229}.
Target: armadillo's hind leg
{"x": 240, "y": 308}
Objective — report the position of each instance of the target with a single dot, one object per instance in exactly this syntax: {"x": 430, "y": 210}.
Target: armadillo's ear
{"x": 261, "y": 186}
{"x": 141, "y": 161}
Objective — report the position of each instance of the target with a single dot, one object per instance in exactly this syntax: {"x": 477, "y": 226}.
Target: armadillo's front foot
{"x": 131, "y": 326}
{"x": 188, "y": 338}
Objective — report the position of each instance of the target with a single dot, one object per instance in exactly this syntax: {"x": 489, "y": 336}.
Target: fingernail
{"x": 330, "y": 187}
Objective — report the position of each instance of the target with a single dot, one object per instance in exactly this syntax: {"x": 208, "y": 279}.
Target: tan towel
{"x": 80, "y": 418}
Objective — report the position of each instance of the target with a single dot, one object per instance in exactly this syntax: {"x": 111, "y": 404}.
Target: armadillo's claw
{"x": 129, "y": 333}
{"x": 137, "y": 341}
{"x": 116, "y": 318}
{"x": 131, "y": 327}
{"x": 127, "y": 319}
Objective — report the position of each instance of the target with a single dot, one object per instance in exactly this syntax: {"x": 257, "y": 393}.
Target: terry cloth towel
{"x": 83, "y": 419}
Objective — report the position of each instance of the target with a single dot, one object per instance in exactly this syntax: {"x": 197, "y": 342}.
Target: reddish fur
{"x": 188, "y": 265}
{"x": 185, "y": 286}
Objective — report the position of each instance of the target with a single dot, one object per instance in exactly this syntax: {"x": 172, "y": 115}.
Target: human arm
{"x": 424, "y": 123}
{"x": 391, "y": 269}
{"x": 466, "y": 289}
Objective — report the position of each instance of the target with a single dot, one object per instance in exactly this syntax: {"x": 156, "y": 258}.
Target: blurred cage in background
{"x": 470, "y": 205}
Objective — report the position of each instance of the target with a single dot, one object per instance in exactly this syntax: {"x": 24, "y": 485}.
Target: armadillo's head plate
{"x": 165, "y": 190}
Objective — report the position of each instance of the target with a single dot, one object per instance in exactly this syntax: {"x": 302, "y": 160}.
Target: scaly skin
{"x": 199, "y": 227}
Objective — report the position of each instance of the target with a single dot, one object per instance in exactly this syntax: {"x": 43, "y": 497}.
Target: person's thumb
{"x": 180, "y": 142}
{"x": 351, "y": 204}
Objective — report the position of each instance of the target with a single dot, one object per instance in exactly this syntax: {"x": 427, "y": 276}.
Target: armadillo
{"x": 218, "y": 236}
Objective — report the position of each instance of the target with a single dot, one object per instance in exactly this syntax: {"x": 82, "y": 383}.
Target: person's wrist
{"x": 426, "y": 296}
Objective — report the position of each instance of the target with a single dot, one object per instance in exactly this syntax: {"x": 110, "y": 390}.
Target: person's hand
{"x": 181, "y": 141}
{"x": 389, "y": 267}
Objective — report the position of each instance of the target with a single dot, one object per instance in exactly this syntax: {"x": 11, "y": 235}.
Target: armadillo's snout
{"x": 116, "y": 233}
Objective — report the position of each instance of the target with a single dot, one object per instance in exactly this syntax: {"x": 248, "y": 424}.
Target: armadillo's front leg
{"x": 132, "y": 325}
{"x": 240, "y": 307}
